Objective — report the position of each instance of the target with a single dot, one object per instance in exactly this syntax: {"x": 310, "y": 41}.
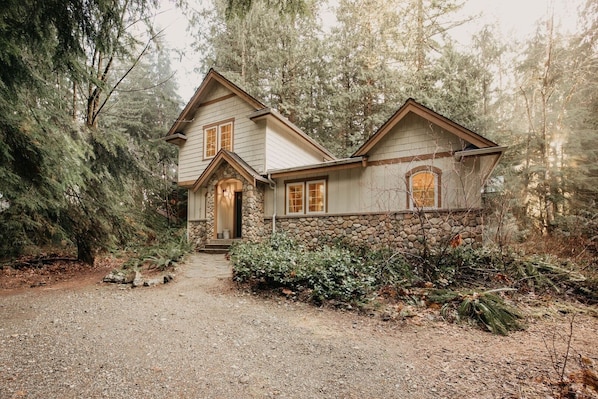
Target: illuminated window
{"x": 316, "y": 199}
{"x": 211, "y": 141}
{"x": 216, "y": 137}
{"x": 226, "y": 136}
{"x": 306, "y": 197}
{"x": 295, "y": 198}
{"x": 423, "y": 190}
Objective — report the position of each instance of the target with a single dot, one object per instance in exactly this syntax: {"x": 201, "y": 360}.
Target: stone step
{"x": 218, "y": 246}
{"x": 221, "y": 241}
{"x": 211, "y": 250}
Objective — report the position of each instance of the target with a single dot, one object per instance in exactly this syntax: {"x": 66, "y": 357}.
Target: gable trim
{"x": 246, "y": 171}
{"x": 195, "y": 103}
{"x": 444, "y": 123}
{"x": 217, "y": 100}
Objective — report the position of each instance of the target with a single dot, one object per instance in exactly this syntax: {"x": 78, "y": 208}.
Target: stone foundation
{"x": 401, "y": 230}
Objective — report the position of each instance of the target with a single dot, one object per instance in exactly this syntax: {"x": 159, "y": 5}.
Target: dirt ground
{"x": 66, "y": 334}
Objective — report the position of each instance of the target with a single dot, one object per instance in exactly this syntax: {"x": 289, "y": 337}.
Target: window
{"x": 211, "y": 141}
{"x": 306, "y": 197}
{"x": 316, "y": 196}
{"x": 226, "y": 136}
{"x": 295, "y": 198}
{"x": 216, "y": 137}
{"x": 423, "y": 189}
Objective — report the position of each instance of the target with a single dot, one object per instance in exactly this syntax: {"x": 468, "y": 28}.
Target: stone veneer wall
{"x": 197, "y": 233}
{"x": 200, "y": 231}
{"x": 401, "y": 230}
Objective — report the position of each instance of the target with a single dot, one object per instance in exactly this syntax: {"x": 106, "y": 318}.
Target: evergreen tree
{"x": 365, "y": 78}
{"x": 68, "y": 171}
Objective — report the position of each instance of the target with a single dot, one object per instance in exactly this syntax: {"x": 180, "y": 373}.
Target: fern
{"x": 490, "y": 311}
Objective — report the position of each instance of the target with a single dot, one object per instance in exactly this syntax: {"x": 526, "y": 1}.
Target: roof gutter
{"x": 479, "y": 152}
{"x": 357, "y": 161}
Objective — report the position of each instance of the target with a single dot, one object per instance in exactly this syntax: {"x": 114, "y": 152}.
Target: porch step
{"x": 220, "y": 246}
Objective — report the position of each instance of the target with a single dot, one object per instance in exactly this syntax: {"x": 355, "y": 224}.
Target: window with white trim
{"x": 216, "y": 137}
{"x": 316, "y": 196}
{"x": 295, "y": 198}
{"x": 306, "y": 197}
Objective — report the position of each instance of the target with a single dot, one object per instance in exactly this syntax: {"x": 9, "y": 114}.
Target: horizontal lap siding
{"x": 414, "y": 136}
{"x": 286, "y": 151}
{"x": 247, "y": 139}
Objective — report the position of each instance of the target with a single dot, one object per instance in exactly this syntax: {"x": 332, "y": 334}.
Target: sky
{"x": 514, "y": 18}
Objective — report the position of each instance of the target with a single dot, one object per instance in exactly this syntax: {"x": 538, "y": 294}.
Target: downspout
{"x": 273, "y": 186}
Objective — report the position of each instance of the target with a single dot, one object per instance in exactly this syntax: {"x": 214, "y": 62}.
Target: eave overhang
{"x": 233, "y": 160}
{"x": 346, "y": 163}
{"x": 497, "y": 152}
{"x": 480, "y": 152}
{"x": 176, "y": 139}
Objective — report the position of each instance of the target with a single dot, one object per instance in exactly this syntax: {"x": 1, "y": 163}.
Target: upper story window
{"x": 306, "y": 197}
{"x": 423, "y": 187}
{"x": 217, "y": 136}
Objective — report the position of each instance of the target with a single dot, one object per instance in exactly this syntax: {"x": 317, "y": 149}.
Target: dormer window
{"x": 217, "y": 136}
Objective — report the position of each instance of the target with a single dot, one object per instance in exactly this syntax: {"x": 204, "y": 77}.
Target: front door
{"x": 238, "y": 213}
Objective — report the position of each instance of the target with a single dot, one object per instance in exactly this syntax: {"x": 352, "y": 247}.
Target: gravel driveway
{"x": 200, "y": 338}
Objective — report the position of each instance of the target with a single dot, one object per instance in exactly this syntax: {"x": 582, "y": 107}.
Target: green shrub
{"x": 329, "y": 273}
{"x": 164, "y": 253}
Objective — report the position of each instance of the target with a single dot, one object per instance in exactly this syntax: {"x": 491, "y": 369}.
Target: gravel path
{"x": 200, "y": 338}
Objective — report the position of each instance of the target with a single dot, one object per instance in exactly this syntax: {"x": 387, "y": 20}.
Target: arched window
{"x": 423, "y": 187}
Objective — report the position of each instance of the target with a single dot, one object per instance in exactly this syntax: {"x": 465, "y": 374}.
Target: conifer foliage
{"x": 66, "y": 181}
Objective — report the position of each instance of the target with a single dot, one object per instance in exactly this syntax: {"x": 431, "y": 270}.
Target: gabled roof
{"x": 278, "y": 117}
{"x": 200, "y": 93}
{"x": 233, "y": 160}
{"x": 175, "y": 136}
{"x": 413, "y": 106}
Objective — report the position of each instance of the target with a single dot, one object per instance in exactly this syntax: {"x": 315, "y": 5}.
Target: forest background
{"x": 87, "y": 93}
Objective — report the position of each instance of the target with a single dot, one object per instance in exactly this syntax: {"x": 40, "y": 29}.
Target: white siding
{"x": 248, "y": 137}
{"x": 286, "y": 150}
{"x": 196, "y": 205}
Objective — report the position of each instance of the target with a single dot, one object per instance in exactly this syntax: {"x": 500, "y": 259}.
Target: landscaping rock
{"x": 138, "y": 280}
{"x": 116, "y": 277}
{"x": 152, "y": 282}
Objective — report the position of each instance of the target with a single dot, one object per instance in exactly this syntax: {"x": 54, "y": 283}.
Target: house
{"x": 249, "y": 171}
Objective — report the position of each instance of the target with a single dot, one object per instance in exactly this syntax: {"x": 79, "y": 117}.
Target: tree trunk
{"x": 419, "y": 43}
{"x": 85, "y": 253}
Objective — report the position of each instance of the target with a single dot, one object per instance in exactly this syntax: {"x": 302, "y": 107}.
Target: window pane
{"x": 226, "y": 137}
{"x": 295, "y": 198}
{"x": 423, "y": 190}
{"x": 316, "y": 196}
{"x": 210, "y": 142}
